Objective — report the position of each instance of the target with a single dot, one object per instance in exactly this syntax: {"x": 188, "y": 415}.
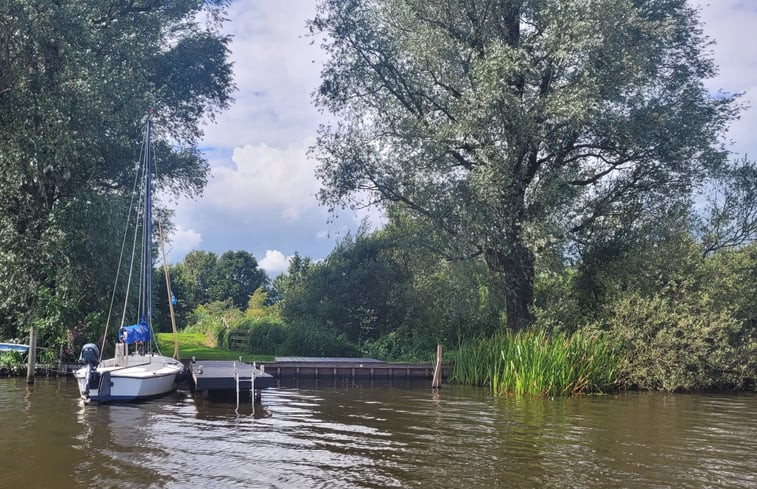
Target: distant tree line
{"x": 203, "y": 277}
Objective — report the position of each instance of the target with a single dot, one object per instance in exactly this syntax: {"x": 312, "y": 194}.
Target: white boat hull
{"x": 142, "y": 377}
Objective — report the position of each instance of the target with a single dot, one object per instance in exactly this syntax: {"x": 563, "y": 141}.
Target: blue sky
{"x": 261, "y": 195}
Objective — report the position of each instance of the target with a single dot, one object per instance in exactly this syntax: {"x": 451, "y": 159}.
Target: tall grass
{"x": 536, "y": 363}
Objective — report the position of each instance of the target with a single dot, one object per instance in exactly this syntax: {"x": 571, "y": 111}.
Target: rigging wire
{"x": 121, "y": 255}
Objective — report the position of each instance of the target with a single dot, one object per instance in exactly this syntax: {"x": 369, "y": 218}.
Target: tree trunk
{"x": 516, "y": 267}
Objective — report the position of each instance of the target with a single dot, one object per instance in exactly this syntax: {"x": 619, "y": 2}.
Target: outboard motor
{"x": 90, "y": 355}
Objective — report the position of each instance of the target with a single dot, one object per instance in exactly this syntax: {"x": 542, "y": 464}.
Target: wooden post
{"x": 437, "y": 382}
{"x": 170, "y": 293}
{"x": 31, "y": 356}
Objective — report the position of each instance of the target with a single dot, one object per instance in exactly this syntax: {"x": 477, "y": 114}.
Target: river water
{"x": 340, "y": 436}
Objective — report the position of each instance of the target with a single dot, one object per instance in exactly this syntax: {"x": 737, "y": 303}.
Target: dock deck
{"x": 218, "y": 379}
{"x": 354, "y": 368}
{"x": 221, "y": 378}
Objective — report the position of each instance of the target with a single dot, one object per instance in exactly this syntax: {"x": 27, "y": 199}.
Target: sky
{"x": 261, "y": 196}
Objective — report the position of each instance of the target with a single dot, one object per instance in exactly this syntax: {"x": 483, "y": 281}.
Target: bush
{"x": 401, "y": 345}
{"x": 312, "y": 339}
{"x": 267, "y": 337}
{"x": 214, "y": 320}
{"x": 681, "y": 345}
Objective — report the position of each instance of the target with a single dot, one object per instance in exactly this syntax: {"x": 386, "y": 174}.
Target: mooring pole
{"x": 31, "y": 356}
{"x": 437, "y": 381}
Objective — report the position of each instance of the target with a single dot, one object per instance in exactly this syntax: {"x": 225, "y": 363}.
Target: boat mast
{"x": 147, "y": 227}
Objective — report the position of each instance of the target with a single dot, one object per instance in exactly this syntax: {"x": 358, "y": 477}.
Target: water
{"x": 376, "y": 437}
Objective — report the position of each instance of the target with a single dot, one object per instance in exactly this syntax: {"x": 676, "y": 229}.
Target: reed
{"x": 533, "y": 362}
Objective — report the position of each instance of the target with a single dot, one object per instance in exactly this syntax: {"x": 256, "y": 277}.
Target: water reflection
{"x": 346, "y": 435}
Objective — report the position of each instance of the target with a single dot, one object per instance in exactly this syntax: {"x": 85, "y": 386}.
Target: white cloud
{"x": 274, "y": 262}
{"x": 182, "y": 241}
{"x": 730, "y": 24}
{"x": 281, "y": 181}
{"x": 276, "y": 68}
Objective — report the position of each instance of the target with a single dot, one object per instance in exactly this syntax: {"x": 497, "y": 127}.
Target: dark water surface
{"x": 390, "y": 436}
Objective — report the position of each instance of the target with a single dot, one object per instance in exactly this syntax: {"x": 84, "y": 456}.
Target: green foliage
{"x": 401, "y": 345}
{"x": 258, "y": 307}
{"x": 515, "y": 128}
{"x": 535, "y": 363}
{"x": 732, "y": 208}
{"x": 263, "y": 332}
{"x": 12, "y": 362}
{"x": 213, "y": 319}
{"x": 393, "y": 293}
{"x": 267, "y": 337}
{"x": 236, "y": 276}
{"x": 77, "y": 79}
{"x": 314, "y": 339}
{"x": 203, "y": 277}
{"x": 357, "y": 290}
{"x": 673, "y": 348}
{"x": 556, "y": 304}
{"x": 694, "y": 328}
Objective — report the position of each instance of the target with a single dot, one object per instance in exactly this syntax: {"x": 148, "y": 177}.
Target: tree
{"x": 357, "y": 290}
{"x": 518, "y": 126}
{"x": 236, "y": 276}
{"x": 732, "y": 208}
{"x": 195, "y": 276}
{"x": 77, "y": 79}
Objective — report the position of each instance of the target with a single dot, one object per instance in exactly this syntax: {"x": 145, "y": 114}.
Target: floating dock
{"x": 349, "y": 368}
{"x": 223, "y": 379}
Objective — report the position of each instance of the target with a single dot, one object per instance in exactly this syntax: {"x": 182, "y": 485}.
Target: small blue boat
{"x": 13, "y": 347}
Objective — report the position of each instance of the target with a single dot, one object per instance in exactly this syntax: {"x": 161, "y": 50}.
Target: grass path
{"x": 198, "y": 346}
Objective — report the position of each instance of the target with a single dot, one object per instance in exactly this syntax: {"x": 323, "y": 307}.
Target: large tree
{"x": 77, "y": 78}
{"x": 237, "y": 277}
{"x": 515, "y": 126}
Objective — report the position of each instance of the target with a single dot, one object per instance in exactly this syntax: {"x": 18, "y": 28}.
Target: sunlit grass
{"x": 536, "y": 363}
{"x": 197, "y": 345}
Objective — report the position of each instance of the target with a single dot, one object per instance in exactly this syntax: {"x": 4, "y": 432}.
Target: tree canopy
{"x": 517, "y": 127}
{"x": 204, "y": 277}
{"x": 77, "y": 79}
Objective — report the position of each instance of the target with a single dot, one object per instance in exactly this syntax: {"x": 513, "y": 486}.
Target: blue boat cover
{"x": 135, "y": 333}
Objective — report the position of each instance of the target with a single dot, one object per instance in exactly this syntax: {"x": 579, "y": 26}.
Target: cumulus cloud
{"x": 182, "y": 241}
{"x": 264, "y": 177}
{"x": 274, "y": 262}
{"x": 261, "y": 194}
{"x": 276, "y": 68}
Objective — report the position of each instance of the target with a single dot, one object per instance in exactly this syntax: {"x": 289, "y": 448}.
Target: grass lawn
{"x": 197, "y": 345}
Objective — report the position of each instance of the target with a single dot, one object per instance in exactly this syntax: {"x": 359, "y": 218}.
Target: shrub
{"x": 267, "y": 337}
{"x": 213, "y": 320}
{"x": 401, "y": 345}
{"x": 681, "y": 345}
{"x": 312, "y": 339}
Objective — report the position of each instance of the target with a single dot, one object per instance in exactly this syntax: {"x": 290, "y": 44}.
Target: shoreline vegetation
{"x": 590, "y": 206}
{"x": 537, "y": 364}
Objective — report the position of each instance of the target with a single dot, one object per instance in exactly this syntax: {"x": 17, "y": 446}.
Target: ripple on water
{"x": 383, "y": 436}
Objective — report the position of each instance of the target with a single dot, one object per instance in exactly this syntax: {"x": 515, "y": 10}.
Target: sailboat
{"x": 135, "y": 372}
